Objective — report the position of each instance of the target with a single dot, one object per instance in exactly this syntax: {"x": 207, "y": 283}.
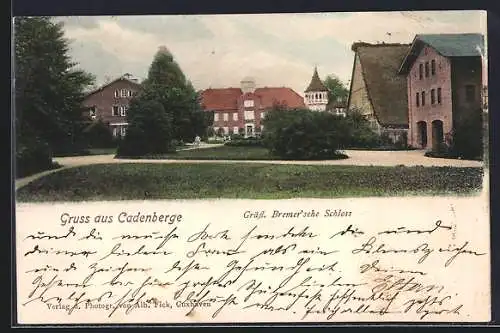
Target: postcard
{"x": 253, "y": 168}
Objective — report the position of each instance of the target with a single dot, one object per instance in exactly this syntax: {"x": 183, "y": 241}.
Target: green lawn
{"x": 134, "y": 181}
{"x": 247, "y": 153}
{"x": 219, "y": 153}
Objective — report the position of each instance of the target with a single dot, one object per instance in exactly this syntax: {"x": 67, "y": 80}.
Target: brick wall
{"x": 439, "y": 111}
{"x": 103, "y": 100}
{"x": 231, "y": 123}
{"x": 240, "y": 122}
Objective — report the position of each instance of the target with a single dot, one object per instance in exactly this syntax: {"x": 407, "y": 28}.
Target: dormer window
{"x": 123, "y": 93}
{"x": 130, "y": 93}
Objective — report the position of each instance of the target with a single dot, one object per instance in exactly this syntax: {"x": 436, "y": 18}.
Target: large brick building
{"x": 377, "y": 90}
{"x": 241, "y": 110}
{"x": 110, "y": 103}
{"x": 444, "y": 85}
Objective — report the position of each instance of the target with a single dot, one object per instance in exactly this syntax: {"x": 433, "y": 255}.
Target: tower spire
{"x": 316, "y": 84}
{"x": 316, "y": 94}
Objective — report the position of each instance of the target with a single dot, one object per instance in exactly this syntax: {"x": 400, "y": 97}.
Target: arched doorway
{"x": 422, "y": 134}
{"x": 437, "y": 134}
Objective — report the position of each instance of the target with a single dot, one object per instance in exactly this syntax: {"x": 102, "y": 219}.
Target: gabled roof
{"x": 386, "y": 89}
{"x": 228, "y": 98}
{"x": 125, "y": 77}
{"x": 220, "y": 99}
{"x": 316, "y": 83}
{"x": 269, "y": 96}
{"x": 447, "y": 45}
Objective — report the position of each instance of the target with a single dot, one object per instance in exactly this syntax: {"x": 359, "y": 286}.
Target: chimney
{"x": 247, "y": 85}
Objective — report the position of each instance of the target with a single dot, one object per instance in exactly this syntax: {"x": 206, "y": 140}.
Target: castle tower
{"x": 316, "y": 94}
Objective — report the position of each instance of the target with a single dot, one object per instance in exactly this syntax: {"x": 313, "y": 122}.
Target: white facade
{"x": 316, "y": 100}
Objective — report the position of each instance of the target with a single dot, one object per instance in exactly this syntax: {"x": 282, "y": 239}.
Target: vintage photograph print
{"x": 207, "y": 169}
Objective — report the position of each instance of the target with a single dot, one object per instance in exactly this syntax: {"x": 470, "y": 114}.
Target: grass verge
{"x": 246, "y": 153}
{"x": 139, "y": 181}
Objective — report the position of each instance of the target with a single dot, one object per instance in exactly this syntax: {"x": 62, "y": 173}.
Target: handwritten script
{"x": 287, "y": 264}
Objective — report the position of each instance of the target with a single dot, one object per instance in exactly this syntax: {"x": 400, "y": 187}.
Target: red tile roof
{"x": 221, "y": 99}
{"x": 227, "y": 98}
{"x": 285, "y": 96}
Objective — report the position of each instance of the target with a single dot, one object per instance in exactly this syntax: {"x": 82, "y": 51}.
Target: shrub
{"x": 237, "y": 137}
{"x": 149, "y": 131}
{"x": 402, "y": 142}
{"x": 304, "y": 134}
{"x": 249, "y": 142}
{"x": 220, "y": 132}
{"x": 32, "y": 155}
{"x": 361, "y": 135}
{"x": 98, "y": 135}
{"x": 468, "y": 137}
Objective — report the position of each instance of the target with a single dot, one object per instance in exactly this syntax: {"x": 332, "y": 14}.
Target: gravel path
{"x": 356, "y": 157}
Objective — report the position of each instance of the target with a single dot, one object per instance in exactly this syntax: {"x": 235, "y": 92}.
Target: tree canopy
{"x": 176, "y": 113}
{"x": 49, "y": 88}
{"x": 337, "y": 91}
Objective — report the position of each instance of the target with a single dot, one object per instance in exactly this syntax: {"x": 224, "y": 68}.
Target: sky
{"x": 216, "y": 51}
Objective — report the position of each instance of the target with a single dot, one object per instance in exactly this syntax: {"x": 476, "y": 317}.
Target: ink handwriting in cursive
{"x": 302, "y": 271}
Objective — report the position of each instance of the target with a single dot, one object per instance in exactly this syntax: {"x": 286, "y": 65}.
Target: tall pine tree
{"x": 176, "y": 113}
{"x": 49, "y": 91}
{"x": 178, "y": 96}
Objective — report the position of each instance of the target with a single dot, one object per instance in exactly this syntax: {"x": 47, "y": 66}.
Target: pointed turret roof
{"x": 316, "y": 83}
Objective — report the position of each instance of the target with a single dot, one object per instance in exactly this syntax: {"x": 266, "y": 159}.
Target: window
{"x": 249, "y": 115}
{"x": 421, "y": 71}
{"x": 248, "y": 103}
{"x": 123, "y": 93}
{"x": 235, "y": 130}
{"x": 123, "y": 130}
{"x": 433, "y": 96}
{"x": 216, "y": 117}
{"x": 470, "y": 93}
{"x": 417, "y": 99}
{"x": 226, "y": 130}
{"x": 423, "y": 98}
{"x": 235, "y": 116}
{"x": 93, "y": 112}
{"x": 123, "y": 110}
{"x": 439, "y": 95}
{"x": 117, "y": 93}
{"x": 115, "y": 130}
{"x": 226, "y": 116}
{"x": 130, "y": 93}
{"x": 262, "y": 115}
{"x": 433, "y": 67}
{"x": 115, "y": 110}
{"x": 427, "y": 69}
